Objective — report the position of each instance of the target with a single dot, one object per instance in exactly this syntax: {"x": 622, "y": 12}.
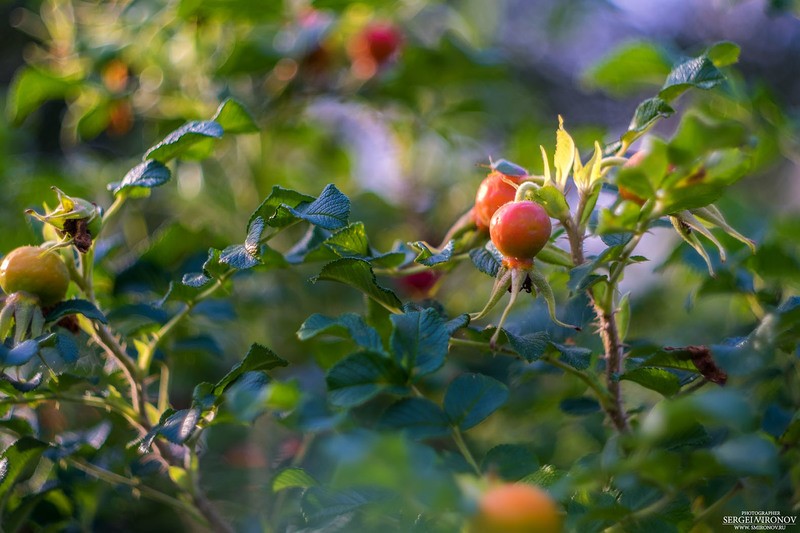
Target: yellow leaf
{"x": 596, "y": 165}
{"x": 547, "y": 179}
{"x": 565, "y": 154}
{"x": 579, "y": 172}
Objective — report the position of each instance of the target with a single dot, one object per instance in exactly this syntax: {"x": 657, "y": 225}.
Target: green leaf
{"x": 487, "y": 259}
{"x": 182, "y": 139}
{"x": 575, "y": 356}
{"x": 429, "y": 258}
{"x": 582, "y": 277}
{"x": 362, "y": 376}
{"x": 553, "y": 255}
{"x": 698, "y": 134}
{"x": 17, "y": 462}
{"x": 177, "y": 427}
{"x": 258, "y": 357}
{"x": 718, "y": 407}
{"x": 508, "y": 168}
{"x": 662, "y": 381}
{"x": 646, "y": 176}
{"x": 553, "y": 202}
{"x": 546, "y": 476}
{"x": 247, "y": 255}
{"x": 351, "y": 241}
{"x": 75, "y": 307}
{"x": 330, "y": 211}
{"x": 723, "y": 53}
{"x": 698, "y": 187}
{"x": 629, "y": 68}
{"x": 749, "y": 455}
{"x": 234, "y": 117}
{"x": 141, "y": 178}
{"x": 677, "y": 359}
{"x": 622, "y": 220}
{"x": 532, "y": 346}
{"x": 624, "y": 315}
{"x": 646, "y": 114}
{"x": 245, "y": 399}
{"x": 278, "y": 197}
{"x": 358, "y": 273}
{"x": 320, "y": 245}
{"x": 419, "y": 341}
{"x": 457, "y": 323}
{"x": 32, "y": 87}
{"x": 470, "y": 398}
{"x": 579, "y": 406}
{"x": 349, "y": 325}
{"x": 67, "y": 347}
{"x": 320, "y": 503}
{"x": 511, "y": 462}
{"x": 203, "y": 396}
{"x": 292, "y": 478}
{"x": 417, "y": 417}
{"x": 698, "y": 72}
{"x": 212, "y": 269}
{"x": 19, "y": 354}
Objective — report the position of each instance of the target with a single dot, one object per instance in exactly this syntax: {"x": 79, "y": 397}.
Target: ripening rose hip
{"x": 32, "y": 270}
{"x": 379, "y": 41}
{"x": 493, "y": 192}
{"x": 516, "y": 508}
{"x": 520, "y": 230}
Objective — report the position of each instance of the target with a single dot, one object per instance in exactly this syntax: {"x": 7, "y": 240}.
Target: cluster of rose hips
{"x": 519, "y": 228}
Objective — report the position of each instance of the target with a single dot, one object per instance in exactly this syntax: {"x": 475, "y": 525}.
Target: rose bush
{"x": 226, "y": 349}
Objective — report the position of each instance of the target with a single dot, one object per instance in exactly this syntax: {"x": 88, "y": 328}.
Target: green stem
{"x": 146, "y": 357}
{"x": 462, "y": 447}
{"x": 87, "y": 273}
{"x": 148, "y": 492}
{"x": 458, "y": 438}
{"x": 103, "y": 336}
{"x": 614, "y": 161}
{"x": 644, "y": 512}
{"x": 92, "y": 401}
{"x": 718, "y": 505}
{"x": 111, "y": 212}
{"x": 163, "y": 389}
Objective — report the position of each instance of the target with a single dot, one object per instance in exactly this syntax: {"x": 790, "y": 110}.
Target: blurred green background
{"x": 87, "y": 86}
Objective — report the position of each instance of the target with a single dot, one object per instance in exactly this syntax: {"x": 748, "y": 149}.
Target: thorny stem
{"x": 609, "y": 331}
